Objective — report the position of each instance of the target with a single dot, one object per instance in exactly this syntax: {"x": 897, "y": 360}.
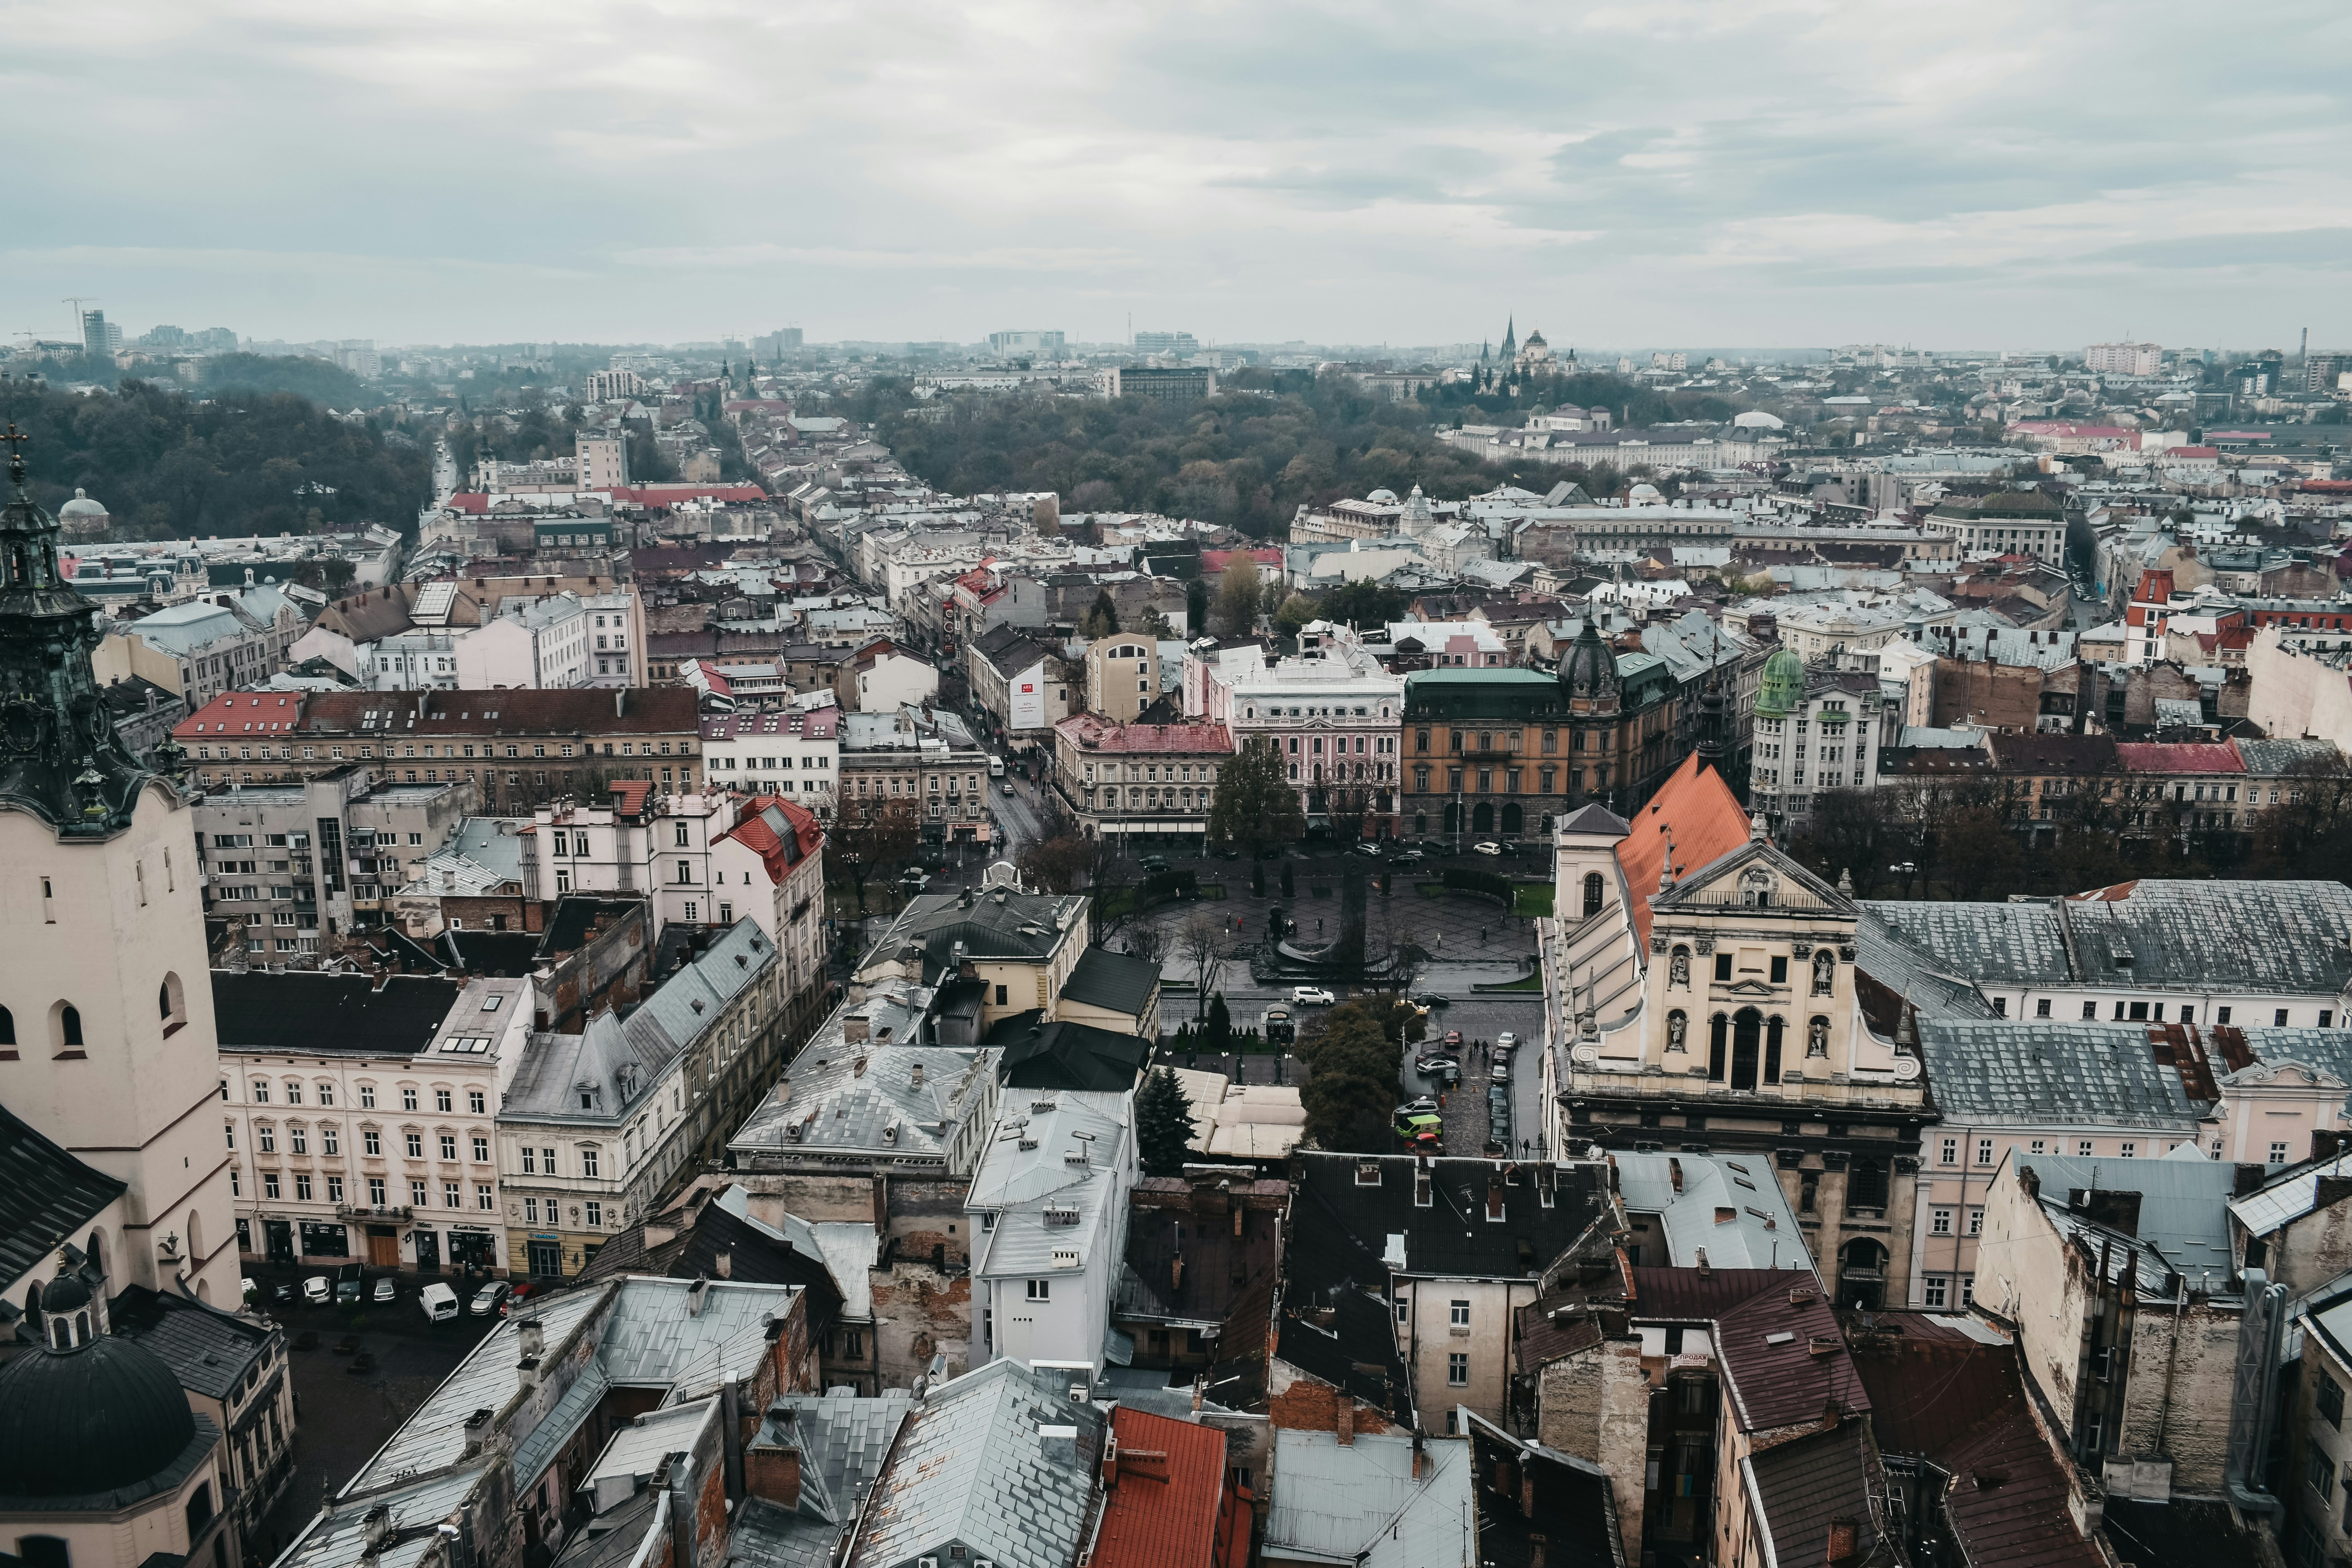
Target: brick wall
{"x": 1309, "y": 1406}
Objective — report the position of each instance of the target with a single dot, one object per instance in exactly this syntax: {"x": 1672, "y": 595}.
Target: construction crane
{"x": 81, "y": 332}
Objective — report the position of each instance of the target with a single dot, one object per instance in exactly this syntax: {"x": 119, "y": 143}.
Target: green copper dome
{"x": 1784, "y": 685}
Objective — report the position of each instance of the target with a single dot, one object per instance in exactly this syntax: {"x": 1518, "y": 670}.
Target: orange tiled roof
{"x": 1698, "y": 810}
{"x": 1162, "y": 1509}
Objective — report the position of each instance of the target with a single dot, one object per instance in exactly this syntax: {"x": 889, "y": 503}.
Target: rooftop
{"x": 1374, "y": 1502}
{"x": 46, "y": 1197}
{"x": 320, "y": 1015}
{"x": 1162, "y": 1495}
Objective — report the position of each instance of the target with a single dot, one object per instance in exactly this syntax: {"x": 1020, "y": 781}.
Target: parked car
{"x": 915, "y": 881}
{"x": 1502, "y": 1072}
{"x": 318, "y": 1289}
{"x": 1505, "y": 1041}
{"x": 1507, "y": 846}
{"x": 516, "y": 1296}
{"x": 437, "y": 1302}
{"x": 1421, "y": 1128}
{"x": 1365, "y": 847}
{"x": 1406, "y": 857}
{"x": 1152, "y": 863}
{"x": 349, "y": 1292}
{"x": 1312, "y": 997}
{"x": 487, "y": 1300}
{"x": 387, "y": 1289}
{"x": 1488, "y": 847}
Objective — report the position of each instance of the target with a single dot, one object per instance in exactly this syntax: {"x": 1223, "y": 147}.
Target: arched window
{"x": 97, "y": 1250}
{"x": 195, "y": 1238}
{"x": 163, "y": 1002}
{"x": 1591, "y": 894}
{"x": 68, "y": 1033}
{"x": 7, "y": 1028}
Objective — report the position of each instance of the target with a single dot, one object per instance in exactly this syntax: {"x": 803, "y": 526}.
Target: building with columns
{"x": 1702, "y": 993}
{"x": 107, "y": 1048}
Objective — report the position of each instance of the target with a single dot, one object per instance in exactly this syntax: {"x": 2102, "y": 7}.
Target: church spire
{"x": 1511, "y": 338}
{"x": 60, "y": 758}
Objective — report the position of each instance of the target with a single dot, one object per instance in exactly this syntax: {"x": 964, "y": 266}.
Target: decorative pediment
{"x": 1757, "y": 875}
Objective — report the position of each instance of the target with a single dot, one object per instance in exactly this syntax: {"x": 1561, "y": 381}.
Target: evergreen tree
{"x": 1102, "y": 621}
{"x": 1289, "y": 885}
{"x": 1217, "y": 1035}
{"x": 1238, "y": 595}
{"x": 1196, "y": 608}
{"x": 1258, "y": 878}
{"x": 1164, "y": 1125}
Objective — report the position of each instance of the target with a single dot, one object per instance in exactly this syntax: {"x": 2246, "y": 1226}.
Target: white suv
{"x": 1311, "y": 996}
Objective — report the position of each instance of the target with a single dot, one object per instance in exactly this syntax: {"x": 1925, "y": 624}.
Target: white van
{"x": 439, "y": 1302}
{"x": 996, "y": 767}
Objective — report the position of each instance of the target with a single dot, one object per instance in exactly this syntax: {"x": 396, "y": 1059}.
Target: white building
{"x": 603, "y": 458}
{"x": 1048, "y": 1215}
{"x": 359, "y": 1115}
{"x": 632, "y": 842}
{"x": 2124, "y": 358}
{"x": 542, "y": 645}
{"x": 1332, "y": 712}
{"x": 884, "y": 677}
{"x": 795, "y": 754}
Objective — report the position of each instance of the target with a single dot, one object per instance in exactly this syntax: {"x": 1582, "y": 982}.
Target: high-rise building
{"x": 99, "y": 337}
{"x": 604, "y": 460}
{"x": 107, "y": 1044}
{"x": 776, "y": 345}
{"x": 2124, "y": 358}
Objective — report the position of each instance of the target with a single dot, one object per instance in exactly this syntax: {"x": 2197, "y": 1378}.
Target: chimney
{"x": 724, "y": 1264}
{"x": 1420, "y": 1457}
{"x": 915, "y": 1074}
{"x": 477, "y": 1427}
{"x": 696, "y": 1294}
{"x": 2248, "y": 1179}
{"x": 1343, "y": 1419}
{"x": 1845, "y": 1540}
{"x": 532, "y": 1335}
{"x": 1058, "y": 1445}
{"x": 378, "y": 1524}
{"x": 1110, "y": 1465}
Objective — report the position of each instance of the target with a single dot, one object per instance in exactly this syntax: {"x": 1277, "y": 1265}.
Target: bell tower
{"x": 107, "y": 1042}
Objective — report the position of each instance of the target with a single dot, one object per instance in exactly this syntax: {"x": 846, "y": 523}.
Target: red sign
{"x": 1027, "y": 691}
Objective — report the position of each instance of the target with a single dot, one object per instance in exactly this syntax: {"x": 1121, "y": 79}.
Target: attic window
{"x": 1367, "y": 1174}
{"x": 490, "y": 1004}
{"x": 695, "y": 1003}
{"x": 1783, "y": 1338}
{"x": 741, "y": 962}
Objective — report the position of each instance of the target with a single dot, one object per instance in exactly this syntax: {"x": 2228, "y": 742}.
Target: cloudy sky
{"x": 1648, "y": 172}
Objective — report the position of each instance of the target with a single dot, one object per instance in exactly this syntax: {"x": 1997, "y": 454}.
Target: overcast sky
{"x": 1650, "y": 173}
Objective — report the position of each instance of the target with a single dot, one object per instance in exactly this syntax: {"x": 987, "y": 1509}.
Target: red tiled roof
{"x": 782, "y": 834}
{"x": 467, "y": 500}
{"x": 1160, "y": 1509}
{"x": 1699, "y": 811}
{"x": 2179, "y": 757}
{"x": 629, "y": 796}
{"x": 1217, "y": 560}
{"x": 666, "y": 495}
{"x": 244, "y": 713}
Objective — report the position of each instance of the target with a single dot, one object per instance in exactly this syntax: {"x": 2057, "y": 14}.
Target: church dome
{"x": 1783, "y": 686}
{"x": 1589, "y": 670}
{"x": 107, "y": 1416}
{"x": 81, "y": 506}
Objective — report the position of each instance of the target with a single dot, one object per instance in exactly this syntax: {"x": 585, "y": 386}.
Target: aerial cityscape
{"x": 1459, "y": 822}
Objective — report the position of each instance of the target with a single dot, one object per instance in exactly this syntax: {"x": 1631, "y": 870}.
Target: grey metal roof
{"x": 843, "y": 1098}
{"x": 2275, "y": 758}
{"x": 998, "y": 924}
{"x": 2149, "y": 935}
{"x": 2051, "y": 1074}
{"x": 842, "y": 1439}
{"x": 1730, "y": 1205}
{"x": 2287, "y": 1196}
{"x": 2183, "y": 1213}
{"x": 972, "y": 1468}
{"x": 338, "y": 1537}
{"x": 46, "y": 1196}
{"x": 1360, "y": 1504}
{"x": 638, "y": 1449}
{"x": 1028, "y": 1168}
{"x": 1934, "y": 986}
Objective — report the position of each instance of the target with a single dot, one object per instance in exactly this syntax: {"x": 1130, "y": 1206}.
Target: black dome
{"x": 104, "y": 1416}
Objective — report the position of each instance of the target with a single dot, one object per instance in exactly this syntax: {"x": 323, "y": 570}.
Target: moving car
{"x": 1152, "y": 863}
{"x": 916, "y": 881}
{"x": 487, "y": 1300}
{"x": 1488, "y": 847}
{"x": 437, "y": 1302}
{"x": 1405, "y": 857}
{"x": 318, "y": 1289}
{"x": 1366, "y": 847}
{"x": 387, "y": 1289}
{"x": 1430, "y": 999}
{"x": 1453, "y": 1039}
{"x": 1312, "y": 997}
{"x": 1431, "y": 1065}
{"x": 996, "y": 769}
{"x": 515, "y": 1297}
{"x": 1507, "y": 846}
{"x": 1008, "y": 786}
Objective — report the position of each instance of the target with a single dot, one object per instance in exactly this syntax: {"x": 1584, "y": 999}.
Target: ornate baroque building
{"x": 1704, "y": 997}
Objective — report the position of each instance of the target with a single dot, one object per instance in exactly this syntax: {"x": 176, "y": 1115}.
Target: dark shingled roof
{"x": 1341, "y": 1226}
{"x": 314, "y": 1013}
{"x": 754, "y": 1257}
{"x": 1806, "y": 1483}
{"x": 1355, "y": 1351}
{"x": 1530, "y": 1495}
{"x": 1764, "y": 1337}
{"x": 46, "y": 1196}
{"x": 1065, "y": 1055}
{"x": 1111, "y": 981}
{"x": 206, "y": 1349}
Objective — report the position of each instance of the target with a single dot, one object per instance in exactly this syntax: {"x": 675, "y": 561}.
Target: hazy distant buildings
{"x": 606, "y": 386}
{"x": 604, "y": 458}
{"x": 99, "y": 337}
{"x": 776, "y": 345}
{"x": 1166, "y": 343}
{"x": 1006, "y": 344}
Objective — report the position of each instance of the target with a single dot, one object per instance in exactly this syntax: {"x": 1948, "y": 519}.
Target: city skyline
{"x": 1787, "y": 174}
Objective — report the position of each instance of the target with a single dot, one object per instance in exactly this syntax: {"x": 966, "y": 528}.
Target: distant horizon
{"x": 1805, "y": 171}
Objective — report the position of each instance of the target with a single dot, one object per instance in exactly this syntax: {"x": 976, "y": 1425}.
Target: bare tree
{"x": 1147, "y": 939}
{"x": 1202, "y": 941}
